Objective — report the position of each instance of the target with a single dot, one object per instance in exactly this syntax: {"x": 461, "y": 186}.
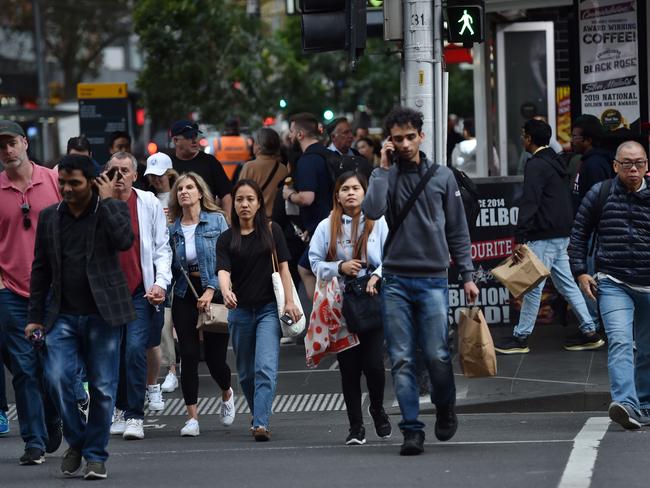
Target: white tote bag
{"x": 298, "y": 327}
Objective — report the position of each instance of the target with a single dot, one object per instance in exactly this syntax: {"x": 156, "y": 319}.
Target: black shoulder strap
{"x": 409, "y": 205}
{"x": 271, "y": 175}
{"x": 603, "y": 195}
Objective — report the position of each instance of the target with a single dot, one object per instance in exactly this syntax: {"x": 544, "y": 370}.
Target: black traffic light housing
{"x": 334, "y": 25}
{"x": 465, "y": 21}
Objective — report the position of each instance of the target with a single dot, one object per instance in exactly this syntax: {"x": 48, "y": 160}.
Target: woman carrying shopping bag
{"x": 198, "y": 223}
{"x": 245, "y": 265}
{"x": 349, "y": 247}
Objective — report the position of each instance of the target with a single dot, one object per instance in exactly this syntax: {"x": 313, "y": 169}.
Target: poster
{"x": 609, "y": 61}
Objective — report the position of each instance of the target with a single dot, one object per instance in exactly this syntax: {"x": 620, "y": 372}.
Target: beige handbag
{"x": 215, "y": 319}
{"x": 519, "y": 278}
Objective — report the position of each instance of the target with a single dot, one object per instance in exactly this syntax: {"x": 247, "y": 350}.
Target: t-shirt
{"x": 311, "y": 175}
{"x": 251, "y": 268}
{"x": 130, "y": 262}
{"x": 208, "y": 168}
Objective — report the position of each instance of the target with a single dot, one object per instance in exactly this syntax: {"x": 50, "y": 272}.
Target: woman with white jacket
{"x": 346, "y": 245}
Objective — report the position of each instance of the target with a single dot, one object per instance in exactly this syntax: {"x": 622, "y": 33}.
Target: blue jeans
{"x": 133, "y": 359}
{"x": 35, "y": 410}
{"x": 626, "y": 318}
{"x": 256, "y": 337}
{"x": 3, "y": 389}
{"x": 553, "y": 253}
{"x": 415, "y": 312}
{"x": 74, "y": 339}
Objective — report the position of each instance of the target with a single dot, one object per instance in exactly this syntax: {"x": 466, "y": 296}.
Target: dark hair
{"x": 306, "y": 122}
{"x": 368, "y": 141}
{"x": 539, "y": 131}
{"x": 72, "y": 162}
{"x": 468, "y": 125}
{"x": 331, "y": 127}
{"x": 261, "y": 221}
{"x": 590, "y": 127}
{"x": 117, "y": 135}
{"x": 403, "y": 116}
{"x": 268, "y": 140}
{"x": 79, "y": 143}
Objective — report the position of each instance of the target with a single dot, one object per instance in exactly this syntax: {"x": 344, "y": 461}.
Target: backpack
{"x": 337, "y": 164}
{"x": 470, "y": 195}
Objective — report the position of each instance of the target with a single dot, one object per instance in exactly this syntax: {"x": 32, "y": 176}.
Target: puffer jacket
{"x": 623, "y": 229}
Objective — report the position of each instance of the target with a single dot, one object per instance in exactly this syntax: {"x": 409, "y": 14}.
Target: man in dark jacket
{"x": 545, "y": 220}
{"x": 621, "y": 222}
{"x": 76, "y": 262}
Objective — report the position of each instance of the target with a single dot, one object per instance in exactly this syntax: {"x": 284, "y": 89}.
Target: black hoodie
{"x": 545, "y": 209}
{"x": 595, "y": 166}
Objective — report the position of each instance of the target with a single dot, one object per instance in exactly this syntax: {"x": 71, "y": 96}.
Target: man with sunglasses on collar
{"x": 188, "y": 156}
{"x": 25, "y": 189}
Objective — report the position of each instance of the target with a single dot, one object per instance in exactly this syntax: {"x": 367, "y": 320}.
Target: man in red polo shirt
{"x": 25, "y": 189}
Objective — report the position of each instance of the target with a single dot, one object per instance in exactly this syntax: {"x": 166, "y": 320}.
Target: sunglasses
{"x": 27, "y": 223}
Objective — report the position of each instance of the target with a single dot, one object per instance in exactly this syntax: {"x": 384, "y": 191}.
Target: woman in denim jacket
{"x": 198, "y": 223}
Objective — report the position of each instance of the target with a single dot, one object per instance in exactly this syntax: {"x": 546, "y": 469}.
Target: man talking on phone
{"x": 426, "y": 219}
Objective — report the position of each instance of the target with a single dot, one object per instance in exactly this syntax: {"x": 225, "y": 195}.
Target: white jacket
{"x": 155, "y": 251}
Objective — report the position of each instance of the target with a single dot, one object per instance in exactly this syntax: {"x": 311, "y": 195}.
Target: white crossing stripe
{"x": 580, "y": 466}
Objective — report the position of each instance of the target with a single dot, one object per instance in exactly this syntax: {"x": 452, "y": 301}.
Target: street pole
{"x": 41, "y": 73}
{"x": 439, "y": 106}
{"x": 253, "y": 8}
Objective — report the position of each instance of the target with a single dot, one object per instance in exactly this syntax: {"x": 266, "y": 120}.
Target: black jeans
{"x": 215, "y": 346}
{"x": 366, "y": 358}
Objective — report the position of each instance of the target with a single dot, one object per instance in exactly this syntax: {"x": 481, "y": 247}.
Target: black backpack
{"x": 469, "y": 194}
{"x": 338, "y": 164}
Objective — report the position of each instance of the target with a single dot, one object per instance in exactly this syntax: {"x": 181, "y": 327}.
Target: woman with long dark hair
{"x": 346, "y": 245}
{"x": 245, "y": 265}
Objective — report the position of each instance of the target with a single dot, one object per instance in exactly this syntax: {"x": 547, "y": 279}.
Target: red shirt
{"x": 130, "y": 260}
{"x": 16, "y": 242}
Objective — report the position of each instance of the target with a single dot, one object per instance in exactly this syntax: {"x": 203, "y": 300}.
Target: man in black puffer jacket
{"x": 545, "y": 220}
{"x": 621, "y": 222}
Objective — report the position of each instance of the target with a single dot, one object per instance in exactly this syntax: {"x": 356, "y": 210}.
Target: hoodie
{"x": 595, "y": 166}
{"x": 545, "y": 209}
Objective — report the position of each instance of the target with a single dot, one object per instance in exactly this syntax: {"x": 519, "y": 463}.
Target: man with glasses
{"x": 25, "y": 189}
{"x": 620, "y": 218}
{"x": 188, "y": 156}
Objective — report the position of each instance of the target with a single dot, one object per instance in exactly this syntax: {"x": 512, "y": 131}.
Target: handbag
{"x": 476, "y": 348}
{"x": 215, "y": 319}
{"x": 298, "y": 327}
{"x": 362, "y": 311}
{"x": 519, "y": 278}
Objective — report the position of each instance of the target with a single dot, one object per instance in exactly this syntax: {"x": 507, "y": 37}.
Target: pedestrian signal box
{"x": 465, "y": 22}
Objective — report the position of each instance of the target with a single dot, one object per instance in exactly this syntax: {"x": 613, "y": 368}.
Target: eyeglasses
{"x": 638, "y": 164}
{"x": 27, "y": 223}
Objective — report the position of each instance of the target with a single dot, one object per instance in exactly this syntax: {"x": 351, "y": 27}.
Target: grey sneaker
{"x": 624, "y": 415}
{"x": 71, "y": 462}
{"x": 95, "y": 471}
{"x": 645, "y": 417}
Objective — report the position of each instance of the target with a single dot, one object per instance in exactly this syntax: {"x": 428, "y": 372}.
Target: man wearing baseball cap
{"x": 25, "y": 189}
{"x": 188, "y": 156}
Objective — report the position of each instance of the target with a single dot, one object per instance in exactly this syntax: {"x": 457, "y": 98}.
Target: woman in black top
{"x": 245, "y": 265}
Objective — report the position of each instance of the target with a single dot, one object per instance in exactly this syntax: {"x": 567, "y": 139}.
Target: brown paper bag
{"x": 476, "y": 349}
{"x": 522, "y": 277}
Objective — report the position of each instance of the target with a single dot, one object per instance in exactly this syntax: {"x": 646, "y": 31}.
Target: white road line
{"x": 580, "y": 466}
{"x": 334, "y": 366}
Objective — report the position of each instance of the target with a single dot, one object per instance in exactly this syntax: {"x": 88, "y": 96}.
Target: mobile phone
{"x": 286, "y": 320}
{"x": 111, "y": 174}
{"x": 364, "y": 265}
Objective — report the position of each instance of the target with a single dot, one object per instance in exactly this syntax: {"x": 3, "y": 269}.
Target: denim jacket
{"x": 210, "y": 227}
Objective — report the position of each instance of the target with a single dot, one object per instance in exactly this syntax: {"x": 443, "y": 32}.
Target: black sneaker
{"x": 54, "y": 436}
{"x": 32, "y": 456}
{"x": 624, "y": 415}
{"x": 584, "y": 342}
{"x": 357, "y": 436}
{"x": 95, "y": 470}
{"x": 71, "y": 462}
{"x": 512, "y": 345}
{"x": 382, "y": 423}
{"x": 446, "y": 423}
{"x": 413, "y": 443}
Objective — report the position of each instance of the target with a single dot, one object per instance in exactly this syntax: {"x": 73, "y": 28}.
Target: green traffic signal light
{"x": 465, "y": 22}
{"x": 328, "y": 115}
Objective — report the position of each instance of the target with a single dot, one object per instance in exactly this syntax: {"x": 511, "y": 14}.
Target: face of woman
{"x": 188, "y": 193}
{"x": 350, "y": 195}
{"x": 246, "y": 203}
{"x": 365, "y": 150}
{"x": 160, "y": 183}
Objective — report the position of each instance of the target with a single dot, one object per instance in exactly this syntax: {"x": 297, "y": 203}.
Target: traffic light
{"x": 465, "y": 21}
{"x": 334, "y": 25}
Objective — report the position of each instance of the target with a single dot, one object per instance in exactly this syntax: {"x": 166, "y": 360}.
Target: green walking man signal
{"x": 465, "y": 22}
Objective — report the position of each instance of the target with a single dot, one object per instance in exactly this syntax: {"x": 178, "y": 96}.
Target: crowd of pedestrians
{"x": 103, "y": 283}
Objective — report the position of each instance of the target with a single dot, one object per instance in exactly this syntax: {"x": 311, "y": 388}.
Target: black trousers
{"x": 215, "y": 346}
{"x": 366, "y": 358}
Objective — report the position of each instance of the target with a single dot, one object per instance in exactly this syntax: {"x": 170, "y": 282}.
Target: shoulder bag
{"x": 362, "y": 312}
{"x": 298, "y": 327}
{"x": 215, "y": 319}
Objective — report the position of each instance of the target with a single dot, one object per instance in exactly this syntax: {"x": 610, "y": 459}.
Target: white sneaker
{"x": 288, "y": 340}
{"x": 156, "y": 402}
{"x": 119, "y": 424}
{"x": 134, "y": 429}
{"x": 191, "y": 428}
{"x": 228, "y": 410}
{"x": 170, "y": 384}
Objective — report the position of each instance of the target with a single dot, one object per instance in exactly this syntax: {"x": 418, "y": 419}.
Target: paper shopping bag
{"x": 476, "y": 349}
{"x": 523, "y": 276}
{"x": 327, "y": 332}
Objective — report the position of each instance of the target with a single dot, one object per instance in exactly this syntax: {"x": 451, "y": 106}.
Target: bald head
{"x": 629, "y": 146}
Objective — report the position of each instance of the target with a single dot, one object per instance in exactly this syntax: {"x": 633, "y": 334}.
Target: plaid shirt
{"x": 109, "y": 233}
